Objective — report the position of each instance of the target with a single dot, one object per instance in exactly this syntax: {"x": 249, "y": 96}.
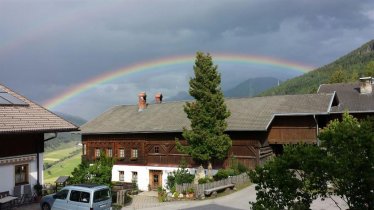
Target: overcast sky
{"x": 49, "y": 46}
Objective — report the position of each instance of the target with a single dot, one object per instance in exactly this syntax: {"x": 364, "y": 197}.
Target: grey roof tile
{"x": 247, "y": 114}
{"x": 349, "y": 97}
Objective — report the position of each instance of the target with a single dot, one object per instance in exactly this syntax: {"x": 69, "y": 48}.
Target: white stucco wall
{"x": 7, "y": 173}
{"x": 143, "y": 174}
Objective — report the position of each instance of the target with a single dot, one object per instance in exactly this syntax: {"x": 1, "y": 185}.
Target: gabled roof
{"x": 349, "y": 97}
{"x": 27, "y": 116}
{"x": 247, "y": 114}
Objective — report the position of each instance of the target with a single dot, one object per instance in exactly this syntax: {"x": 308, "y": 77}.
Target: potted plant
{"x": 39, "y": 192}
{"x": 190, "y": 192}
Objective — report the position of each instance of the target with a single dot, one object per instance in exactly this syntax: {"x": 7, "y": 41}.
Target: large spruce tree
{"x": 207, "y": 113}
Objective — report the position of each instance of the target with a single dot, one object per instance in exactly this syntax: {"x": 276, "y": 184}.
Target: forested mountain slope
{"x": 348, "y": 68}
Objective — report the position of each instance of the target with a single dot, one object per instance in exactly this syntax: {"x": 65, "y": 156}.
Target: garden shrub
{"x": 242, "y": 168}
{"x": 224, "y": 173}
{"x": 205, "y": 180}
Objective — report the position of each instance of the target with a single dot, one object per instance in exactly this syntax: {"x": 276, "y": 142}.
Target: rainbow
{"x": 169, "y": 61}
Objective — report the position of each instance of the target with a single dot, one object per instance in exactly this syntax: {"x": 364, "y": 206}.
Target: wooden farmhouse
{"x": 22, "y": 127}
{"x": 142, "y": 137}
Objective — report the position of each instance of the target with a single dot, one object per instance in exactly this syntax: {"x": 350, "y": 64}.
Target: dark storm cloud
{"x": 49, "y": 46}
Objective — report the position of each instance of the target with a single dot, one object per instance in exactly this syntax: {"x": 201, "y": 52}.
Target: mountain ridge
{"x": 352, "y": 65}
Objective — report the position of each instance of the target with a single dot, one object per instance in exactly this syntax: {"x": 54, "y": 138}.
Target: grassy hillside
{"x": 352, "y": 65}
{"x": 63, "y": 168}
{"x": 65, "y": 138}
{"x": 61, "y": 161}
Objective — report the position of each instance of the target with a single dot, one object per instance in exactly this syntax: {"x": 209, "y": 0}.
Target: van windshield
{"x": 101, "y": 195}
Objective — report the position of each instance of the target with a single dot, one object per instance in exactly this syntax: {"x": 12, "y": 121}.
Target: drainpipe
{"x": 38, "y": 158}
{"x": 318, "y": 142}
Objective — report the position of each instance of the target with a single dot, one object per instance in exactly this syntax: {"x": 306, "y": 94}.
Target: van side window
{"x": 62, "y": 194}
{"x": 78, "y": 196}
{"x": 101, "y": 195}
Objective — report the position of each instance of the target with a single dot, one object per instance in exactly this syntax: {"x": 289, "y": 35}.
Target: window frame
{"x": 84, "y": 149}
{"x": 109, "y": 152}
{"x": 121, "y": 176}
{"x": 134, "y": 176}
{"x": 97, "y": 152}
{"x": 121, "y": 151}
{"x": 134, "y": 153}
{"x": 25, "y": 179}
{"x": 157, "y": 149}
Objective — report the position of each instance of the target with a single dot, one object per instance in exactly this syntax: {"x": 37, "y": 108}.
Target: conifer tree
{"x": 208, "y": 113}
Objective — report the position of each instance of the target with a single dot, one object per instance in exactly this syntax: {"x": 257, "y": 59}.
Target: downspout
{"x": 317, "y": 128}
{"x": 38, "y": 158}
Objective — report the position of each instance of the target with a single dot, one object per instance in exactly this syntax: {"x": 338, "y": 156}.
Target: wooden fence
{"x": 199, "y": 188}
{"x": 121, "y": 197}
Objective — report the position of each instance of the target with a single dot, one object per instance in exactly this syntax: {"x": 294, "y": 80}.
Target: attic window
{"x": 7, "y": 99}
{"x": 157, "y": 149}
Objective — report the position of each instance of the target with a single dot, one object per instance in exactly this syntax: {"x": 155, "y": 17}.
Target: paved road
{"x": 235, "y": 201}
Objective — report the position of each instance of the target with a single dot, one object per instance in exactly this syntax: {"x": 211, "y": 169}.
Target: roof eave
{"x": 15, "y": 131}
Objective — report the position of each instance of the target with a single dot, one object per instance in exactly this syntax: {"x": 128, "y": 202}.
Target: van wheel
{"x": 46, "y": 206}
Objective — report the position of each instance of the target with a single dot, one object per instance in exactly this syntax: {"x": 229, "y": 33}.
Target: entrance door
{"x": 155, "y": 179}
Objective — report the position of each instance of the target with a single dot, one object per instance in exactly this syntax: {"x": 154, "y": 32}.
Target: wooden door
{"x": 155, "y": 179}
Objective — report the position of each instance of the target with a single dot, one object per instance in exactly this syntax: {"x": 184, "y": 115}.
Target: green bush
{"x": 190, "y": 190}
{"x": 180, "y": 176}
{"x": 242, "y": 168}
{"x": 224, "y": 173}
{"x": 162, "y": 195}
{"x": 170, "y": 182}
{"x": 205, "y": 180}
{"x": 173, "y": 189}
{"x": 175, "y": 194}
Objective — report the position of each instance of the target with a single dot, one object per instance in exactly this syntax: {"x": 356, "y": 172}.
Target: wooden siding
{"x": 248, "y": 148}
{"x": 292, "y": 130}
{"x": 20, "y": 144}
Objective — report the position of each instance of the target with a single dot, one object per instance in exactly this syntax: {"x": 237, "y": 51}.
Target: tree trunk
{"x": 210, "y": 169}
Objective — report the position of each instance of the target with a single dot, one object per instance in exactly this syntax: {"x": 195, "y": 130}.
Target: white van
{"x": 80, "y": 197}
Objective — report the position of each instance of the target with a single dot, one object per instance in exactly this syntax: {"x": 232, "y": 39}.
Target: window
{"x": 134, "y": 154}
{"x": 62, "y": 194}
{"x": 21, "y": 174}
{"x": 121, "y": 176}
{"x": 79, "y": 196}
{"x": 109, "y": 152}
{"x": 84, "y": 149}
{"x": 134, "y": 176}
{"x": 157, "y": 149}
{"x": 122, "y": 153}
{"x": 101, "y": 195}
{"x": 97, "y": 152}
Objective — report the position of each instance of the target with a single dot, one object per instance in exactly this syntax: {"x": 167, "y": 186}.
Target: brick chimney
{"x": 142, "y": 103}
{"x": 366, "y": 85}
{"x": 158, "y": 98}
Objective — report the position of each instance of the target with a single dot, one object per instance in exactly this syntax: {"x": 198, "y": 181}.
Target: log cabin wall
{"x": 248, "y": 148}
{"x": 159, "y": 149}
{"x": 292, "y": 130}
{"x": 21, "y": 144}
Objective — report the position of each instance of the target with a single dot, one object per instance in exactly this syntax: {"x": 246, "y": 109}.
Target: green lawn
{"x": 59, "y": 153}
{"x": 63, "y": 168}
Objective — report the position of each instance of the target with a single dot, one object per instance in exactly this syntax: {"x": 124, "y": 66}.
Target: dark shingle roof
{"x": 247, "y": 114}
{"x": 30, "y": 117}
{"x": 349, "y": 97}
